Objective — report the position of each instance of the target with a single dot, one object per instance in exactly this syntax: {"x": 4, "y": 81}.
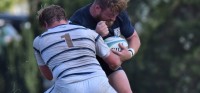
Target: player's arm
{"x": 44, "y": 69}
{"x": 130, "y": 33}
{"x": 133, "y": 46}
{"x": 113, "y": 60}
{"x": 134, "y": 42}
{"x": 132, "y": 38}
{"x": 46, "y": 72}
{"x": 103, "y": 51}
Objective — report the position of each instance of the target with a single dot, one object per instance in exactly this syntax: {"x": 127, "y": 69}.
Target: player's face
{"x": 108, "y": 16}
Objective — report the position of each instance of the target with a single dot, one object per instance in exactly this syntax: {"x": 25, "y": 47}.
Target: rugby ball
{"x": 113, "y": 42}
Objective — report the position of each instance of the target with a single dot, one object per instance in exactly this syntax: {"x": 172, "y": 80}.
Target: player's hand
{"x": 124, "y": 54}
{"x": 102, "y": 28}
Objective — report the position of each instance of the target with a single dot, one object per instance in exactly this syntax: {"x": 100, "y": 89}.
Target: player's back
{"x": 70, "y": 52}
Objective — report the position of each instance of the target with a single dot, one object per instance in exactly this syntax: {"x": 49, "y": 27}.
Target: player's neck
{"x": 56, "y": 23}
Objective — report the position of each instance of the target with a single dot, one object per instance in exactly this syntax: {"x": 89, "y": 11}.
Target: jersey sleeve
{"x": 37, "y": 54}
{"x": 102, "y": 50}
{"x": 127, "y": 28}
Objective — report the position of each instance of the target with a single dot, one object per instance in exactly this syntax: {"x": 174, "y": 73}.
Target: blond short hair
{"x": 114, "y": 5}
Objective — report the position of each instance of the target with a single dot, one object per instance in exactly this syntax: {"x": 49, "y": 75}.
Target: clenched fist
{"x": 102, "y": 28}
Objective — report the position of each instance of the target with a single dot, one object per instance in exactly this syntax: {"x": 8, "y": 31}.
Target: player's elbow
{"x": 46, "y": 72}
{"x": 139, "y": 43}
{"x": 49, "y": 77}
{"x": 113, "y": 61}
{"x": 137, "y": 39}
{"x": 114, "y": 67}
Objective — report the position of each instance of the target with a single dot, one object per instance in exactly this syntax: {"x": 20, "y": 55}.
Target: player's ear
{"x": 97, "y": 9}
{"x": 45, "y": 25}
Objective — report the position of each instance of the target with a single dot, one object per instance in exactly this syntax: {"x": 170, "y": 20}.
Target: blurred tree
{"x": 166, "y": 62}
{"x": 6, "y": 5}
{"x": 18, "y": 70}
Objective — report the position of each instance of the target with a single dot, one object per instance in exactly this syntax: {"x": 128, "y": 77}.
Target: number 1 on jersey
{"x": 68, "y": 40}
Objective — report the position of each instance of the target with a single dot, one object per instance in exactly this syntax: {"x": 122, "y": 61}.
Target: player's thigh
{"x": 98, "y": 84}
{"x": 120, "y": 82}
{"x": 76, "y": 87}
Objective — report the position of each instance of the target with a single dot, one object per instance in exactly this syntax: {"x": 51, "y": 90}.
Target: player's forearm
{"x": 134, "y": 42}
{"x": 113, "y": 61}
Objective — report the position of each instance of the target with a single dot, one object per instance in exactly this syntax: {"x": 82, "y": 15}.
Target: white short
{"x": 93, "y": 85}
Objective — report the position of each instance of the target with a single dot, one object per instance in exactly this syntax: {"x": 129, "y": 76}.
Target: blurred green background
{"x": 168, "y": 60}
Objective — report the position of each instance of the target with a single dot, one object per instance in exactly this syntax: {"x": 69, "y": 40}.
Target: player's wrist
{"x": 107, "y": 35}
{"x": 103, "y": 34}
{"x": 131, "y": 51}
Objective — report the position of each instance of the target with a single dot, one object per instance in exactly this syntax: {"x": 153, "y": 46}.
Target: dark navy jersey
{"x": 122, "y": 25}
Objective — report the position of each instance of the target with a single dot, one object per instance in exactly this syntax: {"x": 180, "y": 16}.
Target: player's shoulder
{"x": 74, "y": 26}
{"x": 77, "y": 27}
{"x": 123, "y": 15}
{"x": 36, "y": 41}
{"x": 80, "y": 15}
{"x": 80, "y": 12}
{"x": 84, "y": 31}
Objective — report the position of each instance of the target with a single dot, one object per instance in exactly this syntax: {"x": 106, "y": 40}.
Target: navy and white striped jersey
{"x": 70, "y": 52}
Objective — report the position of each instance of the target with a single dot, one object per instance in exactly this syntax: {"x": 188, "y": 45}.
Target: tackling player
{"x": 67, "y": 53}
